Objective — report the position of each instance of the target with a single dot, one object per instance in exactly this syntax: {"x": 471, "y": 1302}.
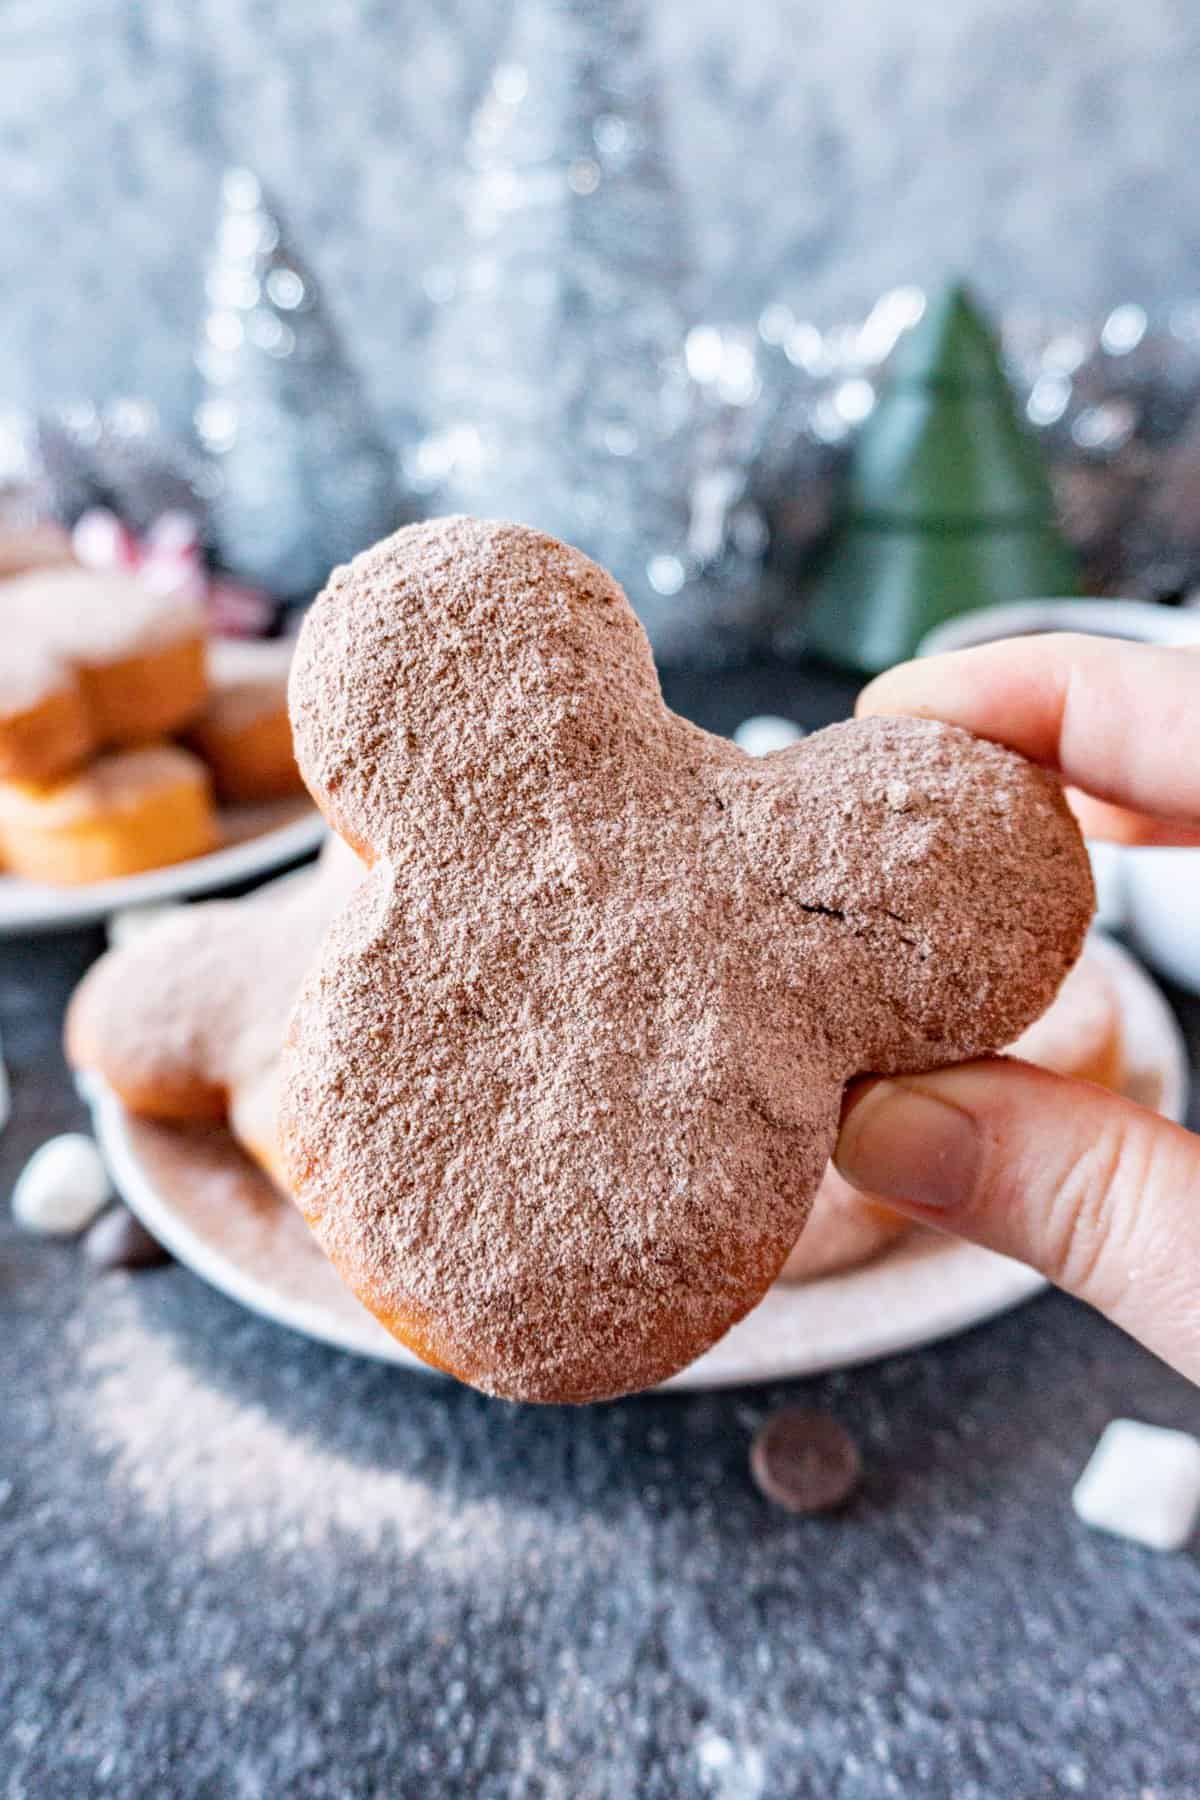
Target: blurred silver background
{"x": 824, "y": 150}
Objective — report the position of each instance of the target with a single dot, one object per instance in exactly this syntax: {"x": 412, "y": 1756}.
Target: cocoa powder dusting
{"x": 566, "y": 1074}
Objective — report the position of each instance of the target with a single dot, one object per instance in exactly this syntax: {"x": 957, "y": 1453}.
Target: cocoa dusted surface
{"x": 235, "y": 1563}
{"x": 562, "y": 1081}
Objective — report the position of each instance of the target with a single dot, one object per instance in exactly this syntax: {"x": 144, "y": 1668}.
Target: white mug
{"x": 1151, "y": 894}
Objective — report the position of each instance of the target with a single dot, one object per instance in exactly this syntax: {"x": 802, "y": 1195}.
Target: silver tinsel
{"x": 306, "y": 479}
{"x": 65, "y": 461}
{"x": 717, "y": 511}
{"x": 557, "y": 395}
{"x": 775, "y": 410}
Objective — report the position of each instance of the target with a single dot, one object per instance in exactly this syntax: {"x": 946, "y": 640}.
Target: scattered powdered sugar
{"x": 728, "y": 1770}
{"x": 198, "y": 1452}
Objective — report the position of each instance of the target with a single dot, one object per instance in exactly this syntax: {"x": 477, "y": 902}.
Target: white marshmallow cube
{"x": 1142, "y": 1482}
{"x": 62, "y": 1187}
{"x": 766, "y": 732}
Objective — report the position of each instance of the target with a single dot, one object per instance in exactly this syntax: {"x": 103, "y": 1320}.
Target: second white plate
{"x": 202, "y": 1198}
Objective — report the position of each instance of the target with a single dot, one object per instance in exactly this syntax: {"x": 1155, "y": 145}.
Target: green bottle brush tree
{"x": 948, "y": 506}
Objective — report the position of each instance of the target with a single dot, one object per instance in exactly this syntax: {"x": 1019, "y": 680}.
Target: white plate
{"x": 201, "y": 1197}
{"x": 1139, "y": 621}
{"x": 256, "y": 839}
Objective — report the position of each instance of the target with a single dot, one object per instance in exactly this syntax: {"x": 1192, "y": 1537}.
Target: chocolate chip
{"x": 121, "y": 1241}
{"x": 805, "y": 1461}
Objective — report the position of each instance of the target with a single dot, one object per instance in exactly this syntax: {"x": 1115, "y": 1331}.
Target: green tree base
{"x": 947, "y": 505}
{"x": 880, "y": 591}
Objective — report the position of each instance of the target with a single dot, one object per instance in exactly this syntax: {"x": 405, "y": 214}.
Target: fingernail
{"x": 905, "y": 1143}
{"x": 879, "y": 694}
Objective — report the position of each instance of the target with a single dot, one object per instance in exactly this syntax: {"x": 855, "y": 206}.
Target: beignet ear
{"x": 951, "y": 868}
{"x": 467, "y": 669}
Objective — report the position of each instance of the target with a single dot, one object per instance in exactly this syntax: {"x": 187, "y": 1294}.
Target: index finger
{"x": 1120, "y": 720}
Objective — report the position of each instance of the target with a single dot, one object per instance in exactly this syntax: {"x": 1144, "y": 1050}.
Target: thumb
{"x": 1100, "y": 1195}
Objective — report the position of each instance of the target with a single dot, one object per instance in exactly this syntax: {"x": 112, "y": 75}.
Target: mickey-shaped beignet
{"x": 567, "y": 1071}
{"x": 185, "y": 1022}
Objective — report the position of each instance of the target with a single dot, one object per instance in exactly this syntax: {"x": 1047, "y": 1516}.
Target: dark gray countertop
{"x": 234, "y": 1563}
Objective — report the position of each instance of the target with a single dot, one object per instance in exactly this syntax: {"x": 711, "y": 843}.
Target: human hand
{"x": 1100, "y": 1195}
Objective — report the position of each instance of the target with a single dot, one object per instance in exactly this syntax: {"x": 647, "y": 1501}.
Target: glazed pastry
{"x": 252, "y": 1109}
{"x": 127, "y": 811}
{"x": 566, "y": 1074}
{"x": 186, "y": 1021}
{"x": 92, "y": 661}
{"x": 1081, "y": 1033}
{"x": 244, "y": 733}
{"x": 844, "y": 1230}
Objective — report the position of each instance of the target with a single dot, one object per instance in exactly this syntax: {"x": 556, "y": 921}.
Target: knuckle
{"x": 1091, "y": 1215}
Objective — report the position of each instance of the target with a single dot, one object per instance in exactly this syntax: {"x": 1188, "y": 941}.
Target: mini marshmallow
{"x": 766, "y": 732}
{"x": 129, "y": 922}
{"x": 1143, "y": 1483}
{"x": 62, "y": 1187}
